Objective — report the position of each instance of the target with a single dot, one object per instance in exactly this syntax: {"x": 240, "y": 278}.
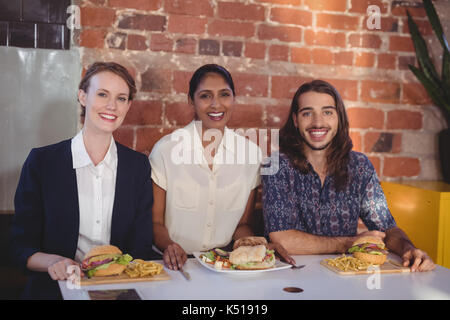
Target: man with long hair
{"x": 313, "y": 203}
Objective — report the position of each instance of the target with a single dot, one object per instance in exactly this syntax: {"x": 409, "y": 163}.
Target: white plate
{"x": 278, "y": 266}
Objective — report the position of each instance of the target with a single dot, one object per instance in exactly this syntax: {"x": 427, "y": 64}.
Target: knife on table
{"x": 185, "y": 274}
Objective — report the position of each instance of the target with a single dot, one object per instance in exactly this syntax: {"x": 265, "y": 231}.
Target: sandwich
{"x": 105, "y": 260}
{"x": 251, "y": 253}
{"x": 369, "y": 249}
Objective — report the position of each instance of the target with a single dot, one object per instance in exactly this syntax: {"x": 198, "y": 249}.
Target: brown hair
{"x": 113, "y": 67}
{"x": 291, "y": 142}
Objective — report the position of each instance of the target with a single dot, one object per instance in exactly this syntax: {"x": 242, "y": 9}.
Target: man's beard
{"x": 317, "y": 148}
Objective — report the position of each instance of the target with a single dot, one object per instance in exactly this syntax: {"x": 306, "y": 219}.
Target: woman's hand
{"x": 174, "y": 256}
{"x": 58, "y": 268}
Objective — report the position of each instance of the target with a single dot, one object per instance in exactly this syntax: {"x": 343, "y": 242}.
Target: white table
{"x": 316, "y": 281}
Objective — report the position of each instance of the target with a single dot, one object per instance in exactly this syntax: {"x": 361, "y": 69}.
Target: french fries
{"x": 139, "y": 268}
{"x": 345, "y": 263}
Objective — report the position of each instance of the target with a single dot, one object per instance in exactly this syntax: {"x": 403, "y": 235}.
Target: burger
{"x": 251, "y": 253}
{"x": 105, "y": 260}
{"x": 369, "y": 249}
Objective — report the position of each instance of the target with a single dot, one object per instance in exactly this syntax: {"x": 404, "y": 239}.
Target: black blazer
{"x": 47, "y": 215}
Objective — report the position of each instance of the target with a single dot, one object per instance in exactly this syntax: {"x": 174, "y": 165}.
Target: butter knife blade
{"x": 185, "y": 274}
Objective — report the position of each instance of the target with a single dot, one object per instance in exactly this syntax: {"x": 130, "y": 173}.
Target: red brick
{"x": 365, "y": 118}
{"x": 277, "y": 115}
{"x": 401, "y": 167}
{"x": 364, "y": 59}
{"x": 387, "y": 60}
{"x": 160, "y": 42}
{"x": 375, "y": 91}
{"x": 232, "y": 48}
{"x": 343, "y": 58}
{"x": 371, "y": 140}
{"x": 405, "y": 61}
{"x": 97, "y": 17}
{"x": 360, "y": 6}
{"x": 282, "y": 33}
{"x": 147, "y": 137}
{"x": 291, "y": 16}
{"x": 186, "y": 24}
{"x": 208, "y": 47}
{"x": 415, "y": 93}
{"x": 285, "y": 86}
{"x": 186, "y": 45}
{"x": 124, "y": 136}
{"x": 241, "y": 11}
{"x": 136, "y": 4}
{"x": 179, "y": 113}
{"x": 323, "y": 38}
{"x": 93, "y": 38}
{"x": 142, "y": 22}
{"x": 365, "y": 41}
{"x": 399, "y": 43}
{"x": 255, "y": 50}
{"x": 143, "y": 113}
{"x": 424, "y": 26}
{"x": 253, "y": 85}
{"x": 189, "y": 7}
{"x": 404, "y": 119}
{"x": 336, "y": 21}
{"x": 136, "y": 42}
{"x": 348, "y": 89}
{"x": 293, "y": 2}
{"x": 278, "y": 52}
{"x": 356, "y": 140}
{"x": 301, "y": 55}
{"x": 376, "y": 162}
{"x": 231, "y": 28}
{"x": 181, "y": 81}
{"x": 321, "y": 56}
{"x": 246, "y": 116}
{"x": 156, "y": 80}
{"x": 326, "y": 5}
{"x": 415, "y": 9}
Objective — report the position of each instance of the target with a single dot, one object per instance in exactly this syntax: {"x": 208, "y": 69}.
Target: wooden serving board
{"x": 387, "y": 267}
{"x": 123, "y": 278}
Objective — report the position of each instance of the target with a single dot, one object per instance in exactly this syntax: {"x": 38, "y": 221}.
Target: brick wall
{"x": 271, "y": 47}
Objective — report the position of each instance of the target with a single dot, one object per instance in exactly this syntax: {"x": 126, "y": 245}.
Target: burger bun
{"x": 112, "y": 270}
{"x": 250, "y": 242}
{"x": 370, "y": 258}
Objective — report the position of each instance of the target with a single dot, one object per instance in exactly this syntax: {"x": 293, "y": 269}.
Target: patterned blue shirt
{"x": 293, "y": 200}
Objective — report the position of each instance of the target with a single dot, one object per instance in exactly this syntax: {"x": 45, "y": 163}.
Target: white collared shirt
{"x": 96, "y": 189}
{"x": 204, "y": 206}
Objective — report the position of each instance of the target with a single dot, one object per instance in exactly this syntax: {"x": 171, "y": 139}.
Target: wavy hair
{"x": 292, "y": 143}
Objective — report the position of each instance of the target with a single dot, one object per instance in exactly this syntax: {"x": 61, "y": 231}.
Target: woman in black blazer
{"x": 86, "y": 191}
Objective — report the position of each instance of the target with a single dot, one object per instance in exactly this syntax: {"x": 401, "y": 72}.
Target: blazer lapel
{"x": 117, "y": 222}
{"x": 72, "y": 216}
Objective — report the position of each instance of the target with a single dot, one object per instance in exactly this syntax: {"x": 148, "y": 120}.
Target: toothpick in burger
{"x": 251, "y": 253}
{"x": 369, "y": 249}
{"x": 105, "y": 260}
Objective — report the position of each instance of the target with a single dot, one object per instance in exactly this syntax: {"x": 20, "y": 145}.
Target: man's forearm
{"x": 298, "y": 242}
{"x": 397, "y": 241}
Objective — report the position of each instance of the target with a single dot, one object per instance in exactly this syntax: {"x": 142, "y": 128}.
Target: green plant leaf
{"x": 435, "y": 92}
{"x": 421, "y": 49}
{"x": 435, "y": 23}
{"x": 446, "y": 72}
